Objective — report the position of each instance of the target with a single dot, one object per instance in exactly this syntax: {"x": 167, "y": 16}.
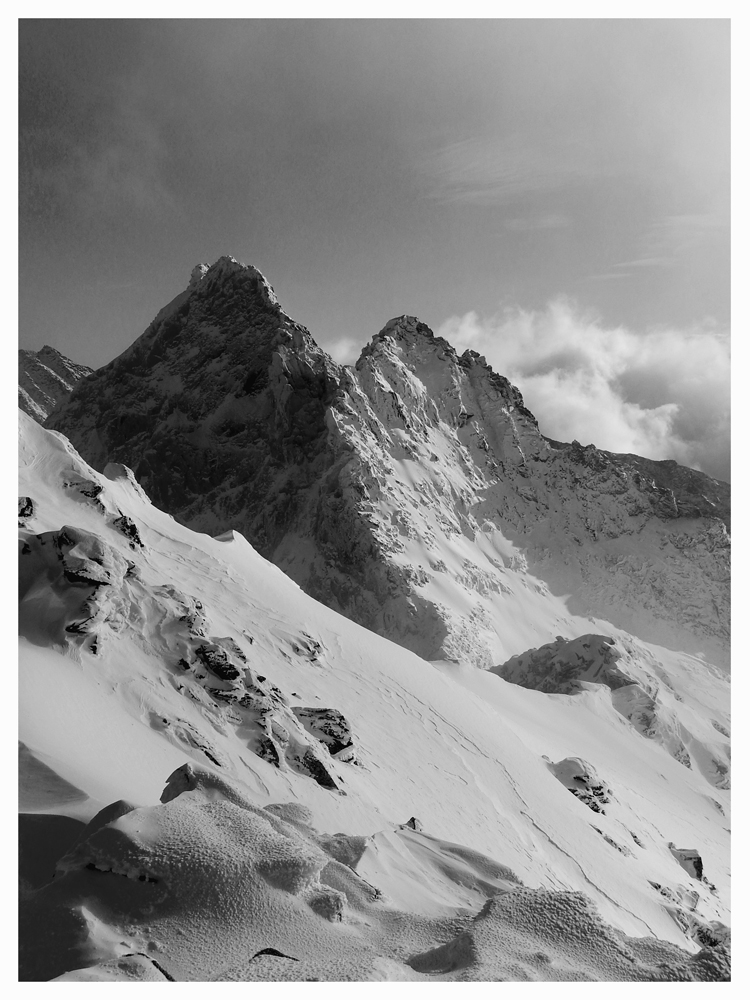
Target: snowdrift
{"x": 207, "y": 886}
{"x": 295, "y": 746}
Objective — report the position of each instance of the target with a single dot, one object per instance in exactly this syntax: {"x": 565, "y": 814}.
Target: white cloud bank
{"x": 661, "y": 393}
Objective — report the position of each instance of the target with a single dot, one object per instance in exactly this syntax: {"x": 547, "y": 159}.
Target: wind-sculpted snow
{"x": 252, "y": 883}
{"x": 292, "y": 730}
{"x": 518, "y": 937}
{"x": 72, "y": 583}
{"x": 62, "y": 580}
{"x": 414, "y": 493}
{"x": 640, "y": 692}
{"x": 208, "y": 859}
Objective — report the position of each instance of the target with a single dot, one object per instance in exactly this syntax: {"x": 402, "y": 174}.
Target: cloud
{"x": 671, "y": 240}
{"x": 501, "y": 170}
{"x": 344, "y": 351}
{"x": 648, "y": 262}
{"x": 661, "y": 393}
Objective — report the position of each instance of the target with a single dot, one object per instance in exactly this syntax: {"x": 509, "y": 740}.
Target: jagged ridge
{"x": 45, "y": 379}
{"x": 378, "y": 487}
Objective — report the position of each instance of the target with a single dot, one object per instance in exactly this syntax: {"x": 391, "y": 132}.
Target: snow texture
{"x": 336, "y": 807}
{"x": 240, "y": 877}
{"x": 640, "y": 692}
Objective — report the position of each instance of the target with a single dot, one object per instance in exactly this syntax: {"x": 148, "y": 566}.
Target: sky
{"x": 551, "y": 193}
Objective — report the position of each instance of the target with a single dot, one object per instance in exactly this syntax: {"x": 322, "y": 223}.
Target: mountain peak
{"x": 409, "y": 333}
{"x": 207, "y": 276}
{"x": 404, "y": 326}
{"x": 232, "y": 417}
{"x": 198, "y": 274}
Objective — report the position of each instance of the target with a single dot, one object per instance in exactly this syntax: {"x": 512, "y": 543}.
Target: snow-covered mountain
{"x": 46, "y": 378}
{"x": 414, "y": 492}
{"x": 225, "y": 780}
{"x": 231, "y": 779}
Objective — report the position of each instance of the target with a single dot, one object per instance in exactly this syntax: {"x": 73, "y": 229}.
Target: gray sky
{"x": 469, "y": 172}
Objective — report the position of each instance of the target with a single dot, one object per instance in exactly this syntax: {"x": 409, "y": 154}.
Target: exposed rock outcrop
{"x": 569, "y": 666}
{"x": 561, "y": 666}
{"x": 416, "y": 474}
{"x": 46, "y": 378}
{"x": 25, "y": 509}
{"x": 77, "y": 588}
{"x": 189, "y": 647}
{"x": 331, "y": 729}
{"x": 689, "y": 859}
{"x": 580, "y": 778}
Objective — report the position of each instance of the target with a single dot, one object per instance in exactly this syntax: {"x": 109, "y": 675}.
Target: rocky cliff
{"x": 46, "y": 378}
{"x": 413, "y": 492}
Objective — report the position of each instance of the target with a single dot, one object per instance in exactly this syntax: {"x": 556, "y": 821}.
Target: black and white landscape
{"x": 325, "y": 721}
{"x": 357, "y": 671}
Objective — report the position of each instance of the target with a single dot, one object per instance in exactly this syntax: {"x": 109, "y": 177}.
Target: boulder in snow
{"x": 580, "y": 778}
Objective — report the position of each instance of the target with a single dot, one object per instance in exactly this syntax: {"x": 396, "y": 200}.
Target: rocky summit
{"x": 413, "y": 492}
{"x": 224, "y": 777}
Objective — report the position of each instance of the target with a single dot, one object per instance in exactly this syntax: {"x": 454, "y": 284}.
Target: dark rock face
{"x": 77, "y": 588}
{"x": 414, "y": 824}
{"x": 689, "y": 859}
{"x": 580, "y": 778}
{"x": 331, "y": 728}
{"x": 190, "y": 408}
{"x": 559, "y": 667}
{"x": 233, "y": 418}
{"x": 674, "y": 490}
{"x": 568, "y": 666}
{"x": 46, "y": 378}
{"x": 25, "y": 509}
{"x": 215, "y": 659}
{"x": 129, "y": 528}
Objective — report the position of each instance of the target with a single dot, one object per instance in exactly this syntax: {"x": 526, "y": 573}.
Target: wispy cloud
{"x": 673, "y": 236}
{"x": 668, "y": 242}
{"x": 660, "y": 393}
{"x": 648, "y": 262}
{"x": 499, "y": 170}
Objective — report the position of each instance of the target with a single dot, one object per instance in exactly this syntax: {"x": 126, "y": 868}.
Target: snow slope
{"x": 414, "y": 493}
{"x": 295, "y": 745}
